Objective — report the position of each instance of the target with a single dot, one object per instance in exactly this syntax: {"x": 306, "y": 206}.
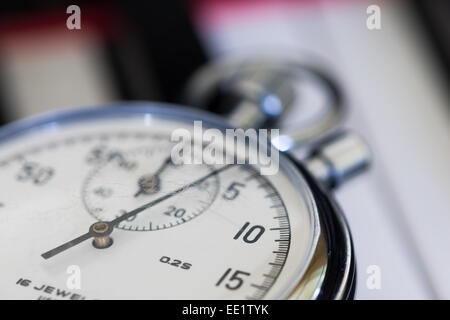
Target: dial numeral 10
{"x": 252, "y": 235}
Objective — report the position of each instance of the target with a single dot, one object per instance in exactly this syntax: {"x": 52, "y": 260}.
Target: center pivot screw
{"x": 101, "y": 231}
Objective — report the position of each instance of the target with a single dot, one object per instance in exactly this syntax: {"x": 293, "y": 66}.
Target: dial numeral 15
{"x": 233, "y": 282}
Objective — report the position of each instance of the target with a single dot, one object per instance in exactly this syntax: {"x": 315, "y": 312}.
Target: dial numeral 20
{"x": 235, "y": 281}
{"x": 173, "y": 211}
{"x": 252, "y": 235}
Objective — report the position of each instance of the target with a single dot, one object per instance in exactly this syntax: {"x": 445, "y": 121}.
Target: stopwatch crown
{"x": 338, "y": 159}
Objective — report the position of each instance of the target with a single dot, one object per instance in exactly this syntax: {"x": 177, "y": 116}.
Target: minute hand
{"x": 167, "y": 196}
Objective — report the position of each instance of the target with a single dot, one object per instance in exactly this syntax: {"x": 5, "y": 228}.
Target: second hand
{"x": 101, "y": 230}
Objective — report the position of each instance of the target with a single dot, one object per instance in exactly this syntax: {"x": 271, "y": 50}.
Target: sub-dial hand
{"x": 151, "y": 183}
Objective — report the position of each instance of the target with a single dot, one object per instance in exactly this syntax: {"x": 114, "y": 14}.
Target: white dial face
{"x": 234, "y": 235}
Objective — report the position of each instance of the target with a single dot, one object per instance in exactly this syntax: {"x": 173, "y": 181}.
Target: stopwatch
{"x": 92, "y": 206}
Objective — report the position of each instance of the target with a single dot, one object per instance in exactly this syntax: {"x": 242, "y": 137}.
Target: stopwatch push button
{"x": 338, "y": 159}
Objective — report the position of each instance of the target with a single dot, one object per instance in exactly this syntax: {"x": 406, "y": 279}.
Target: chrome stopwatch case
{"x": 92, "y": 206}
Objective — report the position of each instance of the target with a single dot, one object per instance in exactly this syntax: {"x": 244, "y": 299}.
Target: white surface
{"x": 398, "y": 212}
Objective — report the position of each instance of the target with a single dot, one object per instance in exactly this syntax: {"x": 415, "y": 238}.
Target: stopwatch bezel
{"x": 339, "y": 279}
{"x": 56, "y": 119}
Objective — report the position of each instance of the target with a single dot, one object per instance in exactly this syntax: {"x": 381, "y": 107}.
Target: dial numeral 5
{"x": 232, "y": 191}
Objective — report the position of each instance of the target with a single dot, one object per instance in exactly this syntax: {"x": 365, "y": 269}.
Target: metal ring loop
{"x": 208, "y": 79}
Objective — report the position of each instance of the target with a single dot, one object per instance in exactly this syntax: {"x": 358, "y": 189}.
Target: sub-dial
{"x": 141, "y": 175}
